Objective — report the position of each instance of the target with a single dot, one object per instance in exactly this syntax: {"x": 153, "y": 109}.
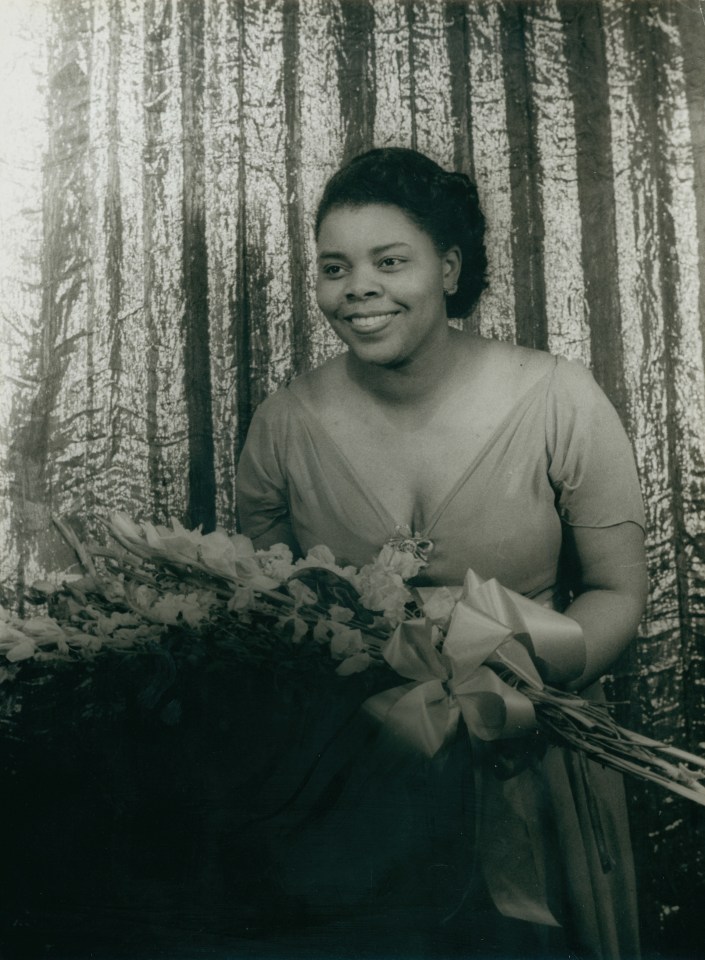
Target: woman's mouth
{"x": 370, "y": 323}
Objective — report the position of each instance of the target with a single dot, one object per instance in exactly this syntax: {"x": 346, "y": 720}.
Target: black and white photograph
{"x": 352, "y": 479}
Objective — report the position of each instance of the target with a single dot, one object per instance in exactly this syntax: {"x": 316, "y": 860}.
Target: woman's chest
{"x": 413, "y": 469}
{"x": 486, "y": 505}
{"x": 410, "y": 465}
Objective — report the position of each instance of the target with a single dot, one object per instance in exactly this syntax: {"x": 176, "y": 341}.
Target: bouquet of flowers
{"x": 481, "y": 652}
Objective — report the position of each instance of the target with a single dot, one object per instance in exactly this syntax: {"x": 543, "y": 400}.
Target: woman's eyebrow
{"x": 375, "y": 251}
{"x": 389, "y": 246}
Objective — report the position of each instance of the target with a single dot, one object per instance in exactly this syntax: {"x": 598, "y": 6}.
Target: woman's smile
{"x": 369, "y": 323}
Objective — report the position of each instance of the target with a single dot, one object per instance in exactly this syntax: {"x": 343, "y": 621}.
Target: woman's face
{"x": 381, "y": 282}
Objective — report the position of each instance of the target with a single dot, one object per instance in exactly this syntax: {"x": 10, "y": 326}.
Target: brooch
{"x": 403, "y": 540}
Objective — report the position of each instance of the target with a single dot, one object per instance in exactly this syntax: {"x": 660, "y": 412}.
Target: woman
{"x": 505, "y": 459}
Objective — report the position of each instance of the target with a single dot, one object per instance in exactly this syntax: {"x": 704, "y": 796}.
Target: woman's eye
{"x": 391, "y": 262}
{"x": 332, "y": 270}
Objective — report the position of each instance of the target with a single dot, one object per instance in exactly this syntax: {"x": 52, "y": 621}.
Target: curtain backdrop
{"x": 160, "y": 161}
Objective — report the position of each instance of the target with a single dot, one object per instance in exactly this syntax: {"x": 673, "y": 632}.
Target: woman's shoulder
{"x": 275, "y": 404}
{"x": 303, "y": 392}
{"x": 318, "y": 385}
{"x": 513, "y": 368}
{"x": 573, "y": 380}
{"x": 527, "y": 364}
{"x": 503, "y": 353}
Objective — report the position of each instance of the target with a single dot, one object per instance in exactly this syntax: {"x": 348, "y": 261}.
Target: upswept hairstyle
{"x": 444, "y": 205}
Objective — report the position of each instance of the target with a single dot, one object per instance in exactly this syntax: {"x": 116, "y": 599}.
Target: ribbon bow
{"x": 491, "y": 628}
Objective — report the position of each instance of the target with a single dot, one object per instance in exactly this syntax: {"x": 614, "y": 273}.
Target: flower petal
{"x": 355, "y": 664}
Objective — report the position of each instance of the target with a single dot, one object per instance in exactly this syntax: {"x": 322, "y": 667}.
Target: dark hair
{"x": 444, "y": 205}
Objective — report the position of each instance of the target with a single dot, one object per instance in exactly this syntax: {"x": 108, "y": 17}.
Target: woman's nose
{"x": 361, "y": 286}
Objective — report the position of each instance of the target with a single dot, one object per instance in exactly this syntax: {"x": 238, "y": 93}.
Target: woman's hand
{"x": 611, "y": 587}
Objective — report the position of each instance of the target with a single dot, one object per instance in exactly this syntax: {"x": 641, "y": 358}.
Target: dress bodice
{"x": 560, "y": 455}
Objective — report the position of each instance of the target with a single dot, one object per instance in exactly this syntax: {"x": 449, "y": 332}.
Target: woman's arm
{"x": 611, "y": 588}
{"x": 262, "y": 494}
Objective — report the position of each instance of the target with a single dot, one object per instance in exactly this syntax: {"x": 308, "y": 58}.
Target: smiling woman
{"x": 381, "y": 283}
{"x": 495, "y": 458}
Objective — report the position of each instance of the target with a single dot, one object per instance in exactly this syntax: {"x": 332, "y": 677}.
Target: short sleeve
{"x": 262, "y": 502}
{"x": 591, "y": 462}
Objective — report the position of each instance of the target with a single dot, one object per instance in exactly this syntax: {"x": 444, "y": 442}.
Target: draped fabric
{"x": 160, "y": 161}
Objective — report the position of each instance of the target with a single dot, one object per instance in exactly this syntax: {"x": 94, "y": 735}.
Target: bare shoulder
{"x": 516, "y": 368}
{"x": 322, "y": 383}
{"x": 511, "y": 356}
{"x": 312, "y": 388}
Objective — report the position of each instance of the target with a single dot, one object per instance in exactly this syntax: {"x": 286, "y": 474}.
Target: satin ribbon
{"x": 491, "y": 628}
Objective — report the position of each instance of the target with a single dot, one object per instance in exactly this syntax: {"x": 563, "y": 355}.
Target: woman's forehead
{"x": 370, "y": 225}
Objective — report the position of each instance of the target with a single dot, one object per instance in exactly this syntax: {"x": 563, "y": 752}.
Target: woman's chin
{"x": 376, "y": 355}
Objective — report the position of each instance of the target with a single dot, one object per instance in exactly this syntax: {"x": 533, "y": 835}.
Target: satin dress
{"x": 559, "y": 457}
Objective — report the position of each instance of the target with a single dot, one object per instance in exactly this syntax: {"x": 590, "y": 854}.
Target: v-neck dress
{"x": 559, "y": 457}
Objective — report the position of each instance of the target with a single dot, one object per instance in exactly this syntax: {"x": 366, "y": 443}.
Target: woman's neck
{"x": 419, "y": 379}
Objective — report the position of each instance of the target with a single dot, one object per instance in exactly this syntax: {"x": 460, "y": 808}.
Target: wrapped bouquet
{"x": 480, "y": 652}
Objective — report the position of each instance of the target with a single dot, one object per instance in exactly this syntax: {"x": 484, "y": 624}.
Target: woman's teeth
{"x": 368, "y": 323}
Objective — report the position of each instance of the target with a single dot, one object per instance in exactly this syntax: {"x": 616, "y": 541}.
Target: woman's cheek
{"x": 327, "y": 301}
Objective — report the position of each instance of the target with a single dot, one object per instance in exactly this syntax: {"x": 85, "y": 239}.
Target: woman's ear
{"x": 452, "y": 261}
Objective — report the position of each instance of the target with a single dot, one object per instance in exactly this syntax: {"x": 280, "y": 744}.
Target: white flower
{"x": 303, "y": 595}
{"x": 220, "y": 552}
{"x": 383, "y": 591}
{"x": 242, "y": 598}
{"x": 171, "y": 606}
{"x": 21, "y": 651}
{"x": 276, "y": 562}
{"x": 248, "y": 571}
{"x": 175, "y": 544}
{"x": 344, "y": 642}
{"x": 124, "y": 526}
{"x": 321, "y": 556}
{"x": 354, "y": 664}
{"x": 322, "y": 631}
{"x": 114, "y": 590}
{"x": 340, "y": 614}
{"x": 42, "y": 629}
{"x": 8, "y": 633}
{"x": 406, "y": 564}
{"x": 42, "y": 586}
{"x": 145, "y": 596}
{"x": 439, "y": 605}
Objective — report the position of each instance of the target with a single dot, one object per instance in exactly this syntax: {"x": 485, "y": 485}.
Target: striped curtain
{"x": 160, "y": 162}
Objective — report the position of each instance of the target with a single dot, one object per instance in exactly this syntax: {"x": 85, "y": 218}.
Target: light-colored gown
{"x": 559, "y": 456}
